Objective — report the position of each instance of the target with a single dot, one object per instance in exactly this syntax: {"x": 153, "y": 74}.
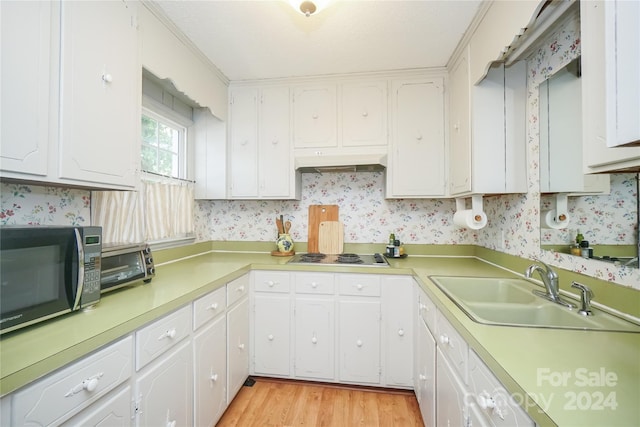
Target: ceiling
{"x": 266, "y": 39}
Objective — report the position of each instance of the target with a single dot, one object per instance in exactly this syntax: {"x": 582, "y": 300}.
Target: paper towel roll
{"x": 466, "y": 219}
{"x": 550, "y": 220}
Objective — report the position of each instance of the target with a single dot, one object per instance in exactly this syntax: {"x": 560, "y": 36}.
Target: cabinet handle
{"x": 89, "y": 384}
{"x": 171, "y": 333}
{"x": 486, "y": 401}
{"x": 401, "y": 332}
{"x": 359, "y": 343}
{"x": 107, "y": 78}
{"x": 213, "y": 306}
{"x": 241, "y": 346}
{"x": 314, "y": 339}
{"x": 444, "y": 339}
{"x": 270, "y": 337}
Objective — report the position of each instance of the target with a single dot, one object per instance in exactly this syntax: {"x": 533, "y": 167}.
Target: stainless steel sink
{"x": 511, "y": 302}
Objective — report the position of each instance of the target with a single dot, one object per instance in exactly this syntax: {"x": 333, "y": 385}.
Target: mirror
{"x": 603, "y": 208}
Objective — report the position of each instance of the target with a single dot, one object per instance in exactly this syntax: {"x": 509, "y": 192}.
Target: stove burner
{"x": 349, "y": 259}
{"x": 312, "y": 257}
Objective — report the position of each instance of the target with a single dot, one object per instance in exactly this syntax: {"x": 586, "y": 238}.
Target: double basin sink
{"x": 511, "y": 302}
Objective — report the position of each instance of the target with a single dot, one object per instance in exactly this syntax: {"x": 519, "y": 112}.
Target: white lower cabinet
{"x": 237, "y": 346}
{"x": 63, "y": 394}
{"x": 113, "y": 410}
{"x": 425, "y": 378}
{"x": 271, "y": 335}
{"x": 210, "y": 373}
{"x": 451, "y": 407}
{"x": 314, "y": 338}
{"x": 397, "y": 330}
{"x": 163, "y": 394}
{"x": 359, "y": 343}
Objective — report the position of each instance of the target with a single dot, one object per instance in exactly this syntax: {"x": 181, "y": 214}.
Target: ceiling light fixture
{"x": 308, "y": 7}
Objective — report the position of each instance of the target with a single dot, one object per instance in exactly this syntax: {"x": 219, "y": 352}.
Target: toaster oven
{"x": 124, "y": 265}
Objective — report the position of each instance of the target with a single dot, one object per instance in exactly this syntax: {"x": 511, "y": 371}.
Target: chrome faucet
{"x": 585, "y": 298}
{"x": 550, "y": 280}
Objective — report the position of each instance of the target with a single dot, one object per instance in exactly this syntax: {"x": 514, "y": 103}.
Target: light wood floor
{"x": 275, "y": 402}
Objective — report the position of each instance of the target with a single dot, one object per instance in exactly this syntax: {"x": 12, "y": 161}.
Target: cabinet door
{"x": 451, "y": 409}
{"x": 315, "y": 117}
{"x": 597, "y": 127}
{"x": 29, "y": 73}
{"x": 426, "y": 374}
{"x": 359, "y": 345}
{"x": 622, "y": 50}
{"x": 243, "y": 150}
{"x": 364, "y": 114}
{"x": 271, "y": 335}
{"x": 417, "y": 151}
{"x": 314, "y": 338}
{"x": 210, "y": 373}
{"x": 100, "y": 93}
{"x": 275, "y": 163}
{"x": 164, "y": 392}
{"x": 237, "y": 347}
{"x": 397, "y": 300}
{"x": 113, "y": 410}
{"x": 459, "y": 127}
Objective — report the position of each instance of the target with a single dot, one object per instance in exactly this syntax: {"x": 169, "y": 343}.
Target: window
{"x": 163, "y": 146}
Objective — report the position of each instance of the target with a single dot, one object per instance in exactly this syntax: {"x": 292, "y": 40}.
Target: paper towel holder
{"x": 562, "y": 213}
{"x": 476, "y": 206}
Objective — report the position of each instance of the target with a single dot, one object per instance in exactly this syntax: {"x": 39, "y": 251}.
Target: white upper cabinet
{"x": 610, "y": 84}
{"x": 260, "y": 157}
{"x": 417, "y": 150}
{"x": 487, "y": 130}
{"x": 30, "y": 61}
{"x": 364, "y": 114}
{"x": 314, "y": 116}
{"x": 100, "y": 93}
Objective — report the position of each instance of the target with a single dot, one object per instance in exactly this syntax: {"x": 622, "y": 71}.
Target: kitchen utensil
{"x": 331, "y": 237}
{"x": 279, "y": 225}
{"x": 317, "y": 214}
{"x": 287, "y": 227}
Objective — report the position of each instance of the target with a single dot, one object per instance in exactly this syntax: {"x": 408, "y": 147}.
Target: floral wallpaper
{"x": 513, "y": 226}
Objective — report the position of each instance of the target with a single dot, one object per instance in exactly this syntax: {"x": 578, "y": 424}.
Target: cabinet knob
{"x": 314, "y": 285}
{"x": 314, "y": 340}
{"x": 365, "y": 114}
{"x": 240, "y": 289}
{"x": 275, "y": 142}
{"x": 401, "y": 332}
{"x": 419, "y": 137}
{"x": 359, "y": 343}
{"x": 107, "y": 78}
{"x": 241, "y": 346}
{"x": 213, "y": 306}
{"x": 270, "y": 337}
{"x": 245, "y": 142}
{"x": 271, "y": 283}
{"x": 315, "y": 116}
{"x": 171, "y": 423}
{"x": 422, "y": 377}
{"x": 170, "y": 333}
{"x": 90, "y": 384}
{"x": 486, "y": 401}
{"x": 214, "y": 377}
{"x": 359, "y": 286}
{"x": 444, "y": 339}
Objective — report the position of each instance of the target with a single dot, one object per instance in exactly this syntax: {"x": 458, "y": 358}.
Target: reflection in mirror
{"x": 602, "y": 208}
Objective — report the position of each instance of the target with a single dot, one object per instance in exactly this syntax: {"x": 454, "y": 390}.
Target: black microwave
{"x": 47, "y": 272}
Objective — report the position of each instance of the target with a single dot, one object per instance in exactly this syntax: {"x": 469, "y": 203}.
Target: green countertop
{"x": 563, "y": 377}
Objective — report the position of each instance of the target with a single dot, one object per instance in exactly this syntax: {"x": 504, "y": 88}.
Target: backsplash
{"x": 513, "y": 220}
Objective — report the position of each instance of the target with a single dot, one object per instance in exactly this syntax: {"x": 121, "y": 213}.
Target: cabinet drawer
{"x": 209, "y": 307}
{"x": 427, "y": 310}
{"x": 161, "y": 335}
{"x": 237, "y": 289}
{"x": 64, "y": 393}
{"x": 359, "y": 285}
{"x": 271, "y": 281}
{"x": 452, "y": 346}
{"x": 314, "y": 283}
{"x": 492, "y": 400}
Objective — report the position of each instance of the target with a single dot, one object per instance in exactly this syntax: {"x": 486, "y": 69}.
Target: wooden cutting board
{"x": 318, "y": 214}
{"x": 331, "y": 237}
